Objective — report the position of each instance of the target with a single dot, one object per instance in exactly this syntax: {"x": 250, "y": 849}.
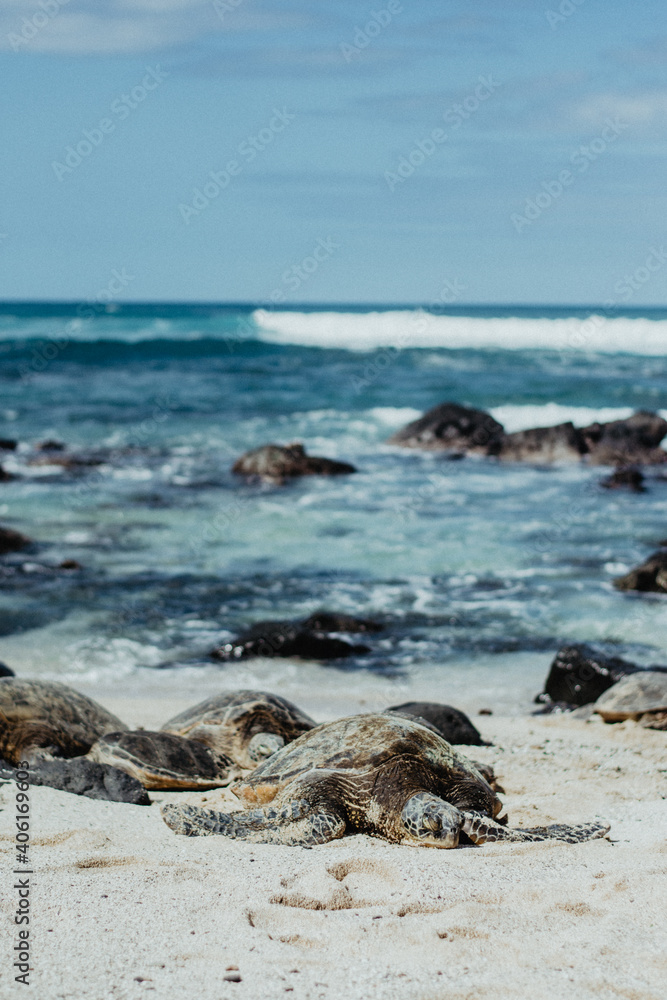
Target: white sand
{"x": 122, "y": 907}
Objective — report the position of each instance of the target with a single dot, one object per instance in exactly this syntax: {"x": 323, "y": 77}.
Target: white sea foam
{"x": 520, "y": 418}
{"x": 401, "y": 329}
{"x": 516, "y": 417}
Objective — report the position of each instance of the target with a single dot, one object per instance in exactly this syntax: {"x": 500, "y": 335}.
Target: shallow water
{"x": 478, "y": 570}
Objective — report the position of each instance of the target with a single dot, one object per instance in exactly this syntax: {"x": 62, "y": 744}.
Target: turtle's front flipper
{"x": 483, "y": 830}
{"x": 297, "y": 823}
{"x": 571, "y": 833}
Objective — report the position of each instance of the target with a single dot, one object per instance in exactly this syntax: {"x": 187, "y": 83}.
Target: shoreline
{"x": 136, "y": 908}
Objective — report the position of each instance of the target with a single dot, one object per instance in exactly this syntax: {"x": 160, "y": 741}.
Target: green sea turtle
{"x": 50, "y": 727}
{"x": 245, "y": 726}
{"x": 641, "y": 696}
{"x": 164, "y": 761}
{"x": 377, "y": 774}
{"x": 42, "y": 719}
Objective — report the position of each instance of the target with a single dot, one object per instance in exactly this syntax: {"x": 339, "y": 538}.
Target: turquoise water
{"x": 479, "y": 570}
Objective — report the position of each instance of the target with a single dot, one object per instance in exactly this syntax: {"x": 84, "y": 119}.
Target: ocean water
{"x": 479, "y": 571}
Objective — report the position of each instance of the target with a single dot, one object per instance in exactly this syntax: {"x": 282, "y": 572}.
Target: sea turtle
{"x": 378, "y": 774}
{"x": 641, "y": 696}
{"x": 164, "y": 761}
{"x": 49, "y": 727}
{"x": 43, "y": 719}
{"x": 245, "y": 726}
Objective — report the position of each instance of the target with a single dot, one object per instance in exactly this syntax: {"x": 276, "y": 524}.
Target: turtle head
{"x": 262, "y": 745}
{"x": 430, "y": 821}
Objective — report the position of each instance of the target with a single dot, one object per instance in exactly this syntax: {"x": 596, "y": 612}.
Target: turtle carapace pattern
{"x": 45, "y": 720}
{"x": 246, "y": 726}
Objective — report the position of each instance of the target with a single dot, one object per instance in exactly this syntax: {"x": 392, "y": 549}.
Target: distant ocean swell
{"x": 420, "y": 329}
{"x": 579, "y": 331}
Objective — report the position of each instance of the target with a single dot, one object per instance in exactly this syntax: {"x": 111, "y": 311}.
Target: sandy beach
{"x": 122, "y": 907}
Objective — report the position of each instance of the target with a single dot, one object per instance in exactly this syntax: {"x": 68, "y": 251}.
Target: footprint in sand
{"x": 346, "y": 885}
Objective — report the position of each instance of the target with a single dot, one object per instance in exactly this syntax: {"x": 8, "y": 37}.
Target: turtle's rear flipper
{"x": 84, "y": 777}
{"x": 293, "y": 825}
{"x": 483, "y": 830}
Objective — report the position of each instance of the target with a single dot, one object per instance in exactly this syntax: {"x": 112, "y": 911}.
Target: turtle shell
{"x": 161, "y": 760}
{"x": 227, "y": 723}
{"x": 633, "y": 696}
{"x": 360, "y": 745}
{"x": 43, "y": 715}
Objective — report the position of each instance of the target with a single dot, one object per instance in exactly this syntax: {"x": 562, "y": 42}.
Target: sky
{"x": 488, "y": 151}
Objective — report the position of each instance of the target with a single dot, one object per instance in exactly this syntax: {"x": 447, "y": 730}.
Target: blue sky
{"x": 430, "y": 150}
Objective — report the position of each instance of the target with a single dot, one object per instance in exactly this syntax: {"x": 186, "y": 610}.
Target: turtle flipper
{"x": 297, "y": 823}
{"x": 571, "y": 833}
{"x": 483, "y": 830}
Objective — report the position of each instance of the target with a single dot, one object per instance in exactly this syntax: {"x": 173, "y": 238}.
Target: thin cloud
{"x": 128, "y": 27}
{"x": 633, "y": 109}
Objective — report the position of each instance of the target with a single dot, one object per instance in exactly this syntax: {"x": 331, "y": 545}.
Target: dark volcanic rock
{"x": 627, "y": 442}
{"x": 544, "y": 445}
{"x": 328, "y": 621}
{"x": 277, "y": 463}
{"x": 12, "y": 541}
{"x": 627, "y": 477}
{"x": 5, "y": 477}
{"x": 579, "y": 675}
{"x": 452, "y": 724}
{"x": 286, "y": 639}
{"x": 8, "y": 444}
{"x": 650, "y": 577}
{"x": 84, "y": 777}
{"x": 451, "y": 427}
{"x": 50, "y": 445}
{"x": 6, "y": 671}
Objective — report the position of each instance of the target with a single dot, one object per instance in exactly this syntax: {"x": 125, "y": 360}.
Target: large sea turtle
{"x": 378, "y": 774}
{"x": 245, "y": 726}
